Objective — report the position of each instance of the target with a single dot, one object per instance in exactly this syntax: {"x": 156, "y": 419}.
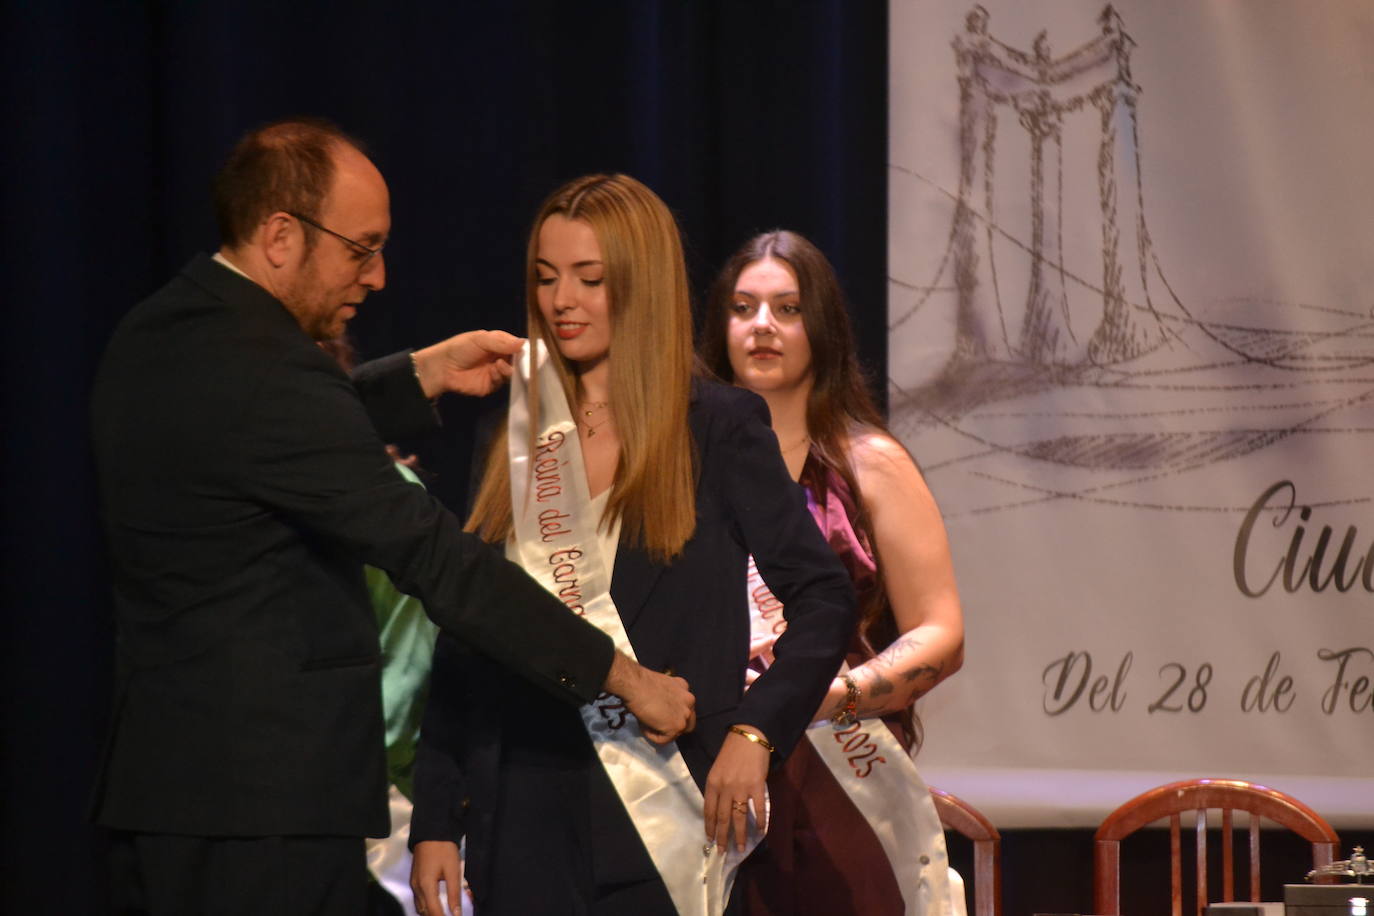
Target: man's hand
{"x": 734, "y": 786}
{"x": 474, "y": 363}
{"x": 663, "y": 704}
{"x": 435, "y": 861}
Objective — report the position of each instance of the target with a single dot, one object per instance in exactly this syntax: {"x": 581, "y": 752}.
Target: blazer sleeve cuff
{"x": 393, "y": 398}
{"x": 440, "y": 810}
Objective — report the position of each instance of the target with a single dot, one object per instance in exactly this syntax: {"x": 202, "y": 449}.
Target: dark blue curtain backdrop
{"x": 742, "y": 115}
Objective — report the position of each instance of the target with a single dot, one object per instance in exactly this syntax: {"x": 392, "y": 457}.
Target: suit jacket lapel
{"x": 635, "y": 573}
{"x": 632, "y": 581}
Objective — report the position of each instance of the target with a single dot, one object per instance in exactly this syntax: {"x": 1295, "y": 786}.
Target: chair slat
{"x": 1228, "y": 861}
{"x": 1176, "y": 865}
{"x": 1200, "y": 898}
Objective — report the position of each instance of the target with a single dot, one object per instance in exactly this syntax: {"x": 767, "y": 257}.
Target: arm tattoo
{"x": 903, "y": 649}
{"x": 900, "y": 649}
{"x": 878, "y": 686}
{"x": 930, "y": 672}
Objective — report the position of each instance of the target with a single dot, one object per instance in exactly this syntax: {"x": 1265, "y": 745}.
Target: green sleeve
{"x": 407, "y": 638}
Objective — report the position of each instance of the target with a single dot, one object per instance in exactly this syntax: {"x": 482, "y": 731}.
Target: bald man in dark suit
{"x": 243, "y": 486}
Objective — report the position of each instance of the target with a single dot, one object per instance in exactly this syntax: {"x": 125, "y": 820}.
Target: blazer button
{"x": 465, "y": 803}
{"x": 567, "y": 680}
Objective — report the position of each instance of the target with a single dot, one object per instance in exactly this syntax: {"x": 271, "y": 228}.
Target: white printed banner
{"x": 1131, "y": 312}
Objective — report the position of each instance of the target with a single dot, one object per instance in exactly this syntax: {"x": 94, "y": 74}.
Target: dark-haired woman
{"x": 635, "y": 494}
{"x": 777, "y": 324}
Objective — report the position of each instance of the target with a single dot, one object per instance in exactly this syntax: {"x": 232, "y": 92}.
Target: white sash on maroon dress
{"x": 881, "y": 780}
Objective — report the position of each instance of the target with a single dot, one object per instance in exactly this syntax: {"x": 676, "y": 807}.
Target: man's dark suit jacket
{"x": 516, "y": 773}
{"x": 243, "y": 487}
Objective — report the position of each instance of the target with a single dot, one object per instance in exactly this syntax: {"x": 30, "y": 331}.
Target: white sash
{"x": 880, "y": 779}
{"x": 556, "y": 542}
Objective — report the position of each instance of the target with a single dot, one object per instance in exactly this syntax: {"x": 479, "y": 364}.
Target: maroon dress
{"x": 820, "y": 855}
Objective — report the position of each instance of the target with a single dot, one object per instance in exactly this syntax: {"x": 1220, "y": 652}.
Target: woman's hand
{"x": 734, "y": 785}
{"x": 435, "y": 861}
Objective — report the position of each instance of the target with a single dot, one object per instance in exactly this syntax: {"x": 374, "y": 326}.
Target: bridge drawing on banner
{"x": 1075, "y": 371}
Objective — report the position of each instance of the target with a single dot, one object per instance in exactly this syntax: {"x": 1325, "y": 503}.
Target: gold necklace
{"x": 590, "y": 406}
{"x": 591, "y": 430}
{"x": 802, "y": 441}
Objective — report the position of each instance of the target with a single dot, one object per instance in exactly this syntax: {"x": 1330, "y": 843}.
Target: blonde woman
{"x": 679, "y": 481}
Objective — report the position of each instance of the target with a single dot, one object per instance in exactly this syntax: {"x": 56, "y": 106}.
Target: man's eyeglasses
{"x": 367, "y": 254}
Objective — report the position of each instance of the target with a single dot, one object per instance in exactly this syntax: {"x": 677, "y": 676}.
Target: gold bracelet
{"x": 762, "y": 742}
{"x": 846, "y": 715}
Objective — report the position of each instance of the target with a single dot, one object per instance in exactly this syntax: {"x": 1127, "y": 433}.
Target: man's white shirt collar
{"x": 220, "y": 258}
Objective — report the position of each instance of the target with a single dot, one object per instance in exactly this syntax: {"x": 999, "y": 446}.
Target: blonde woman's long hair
{"x": 654, "y": 490}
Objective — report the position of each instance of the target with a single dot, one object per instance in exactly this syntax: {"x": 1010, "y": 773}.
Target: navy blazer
{"x": 242, "y": 489}
{"x": 489, "y": 740}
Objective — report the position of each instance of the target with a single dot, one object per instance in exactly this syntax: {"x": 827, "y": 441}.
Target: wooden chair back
{"x": 967, "y": 821}
{"x": 1200, "y": 795}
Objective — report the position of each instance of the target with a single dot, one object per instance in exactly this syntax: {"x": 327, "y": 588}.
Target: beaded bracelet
{"x": 761, "y": 742}
{"x": 846, "y": 715}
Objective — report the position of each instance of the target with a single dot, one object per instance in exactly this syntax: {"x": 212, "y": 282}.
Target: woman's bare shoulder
{"x": 880, "y": 457}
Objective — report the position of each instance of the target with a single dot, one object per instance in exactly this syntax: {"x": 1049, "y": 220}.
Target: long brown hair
{"x": 654, "y": 491}
{"x": 840, "y": 405}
